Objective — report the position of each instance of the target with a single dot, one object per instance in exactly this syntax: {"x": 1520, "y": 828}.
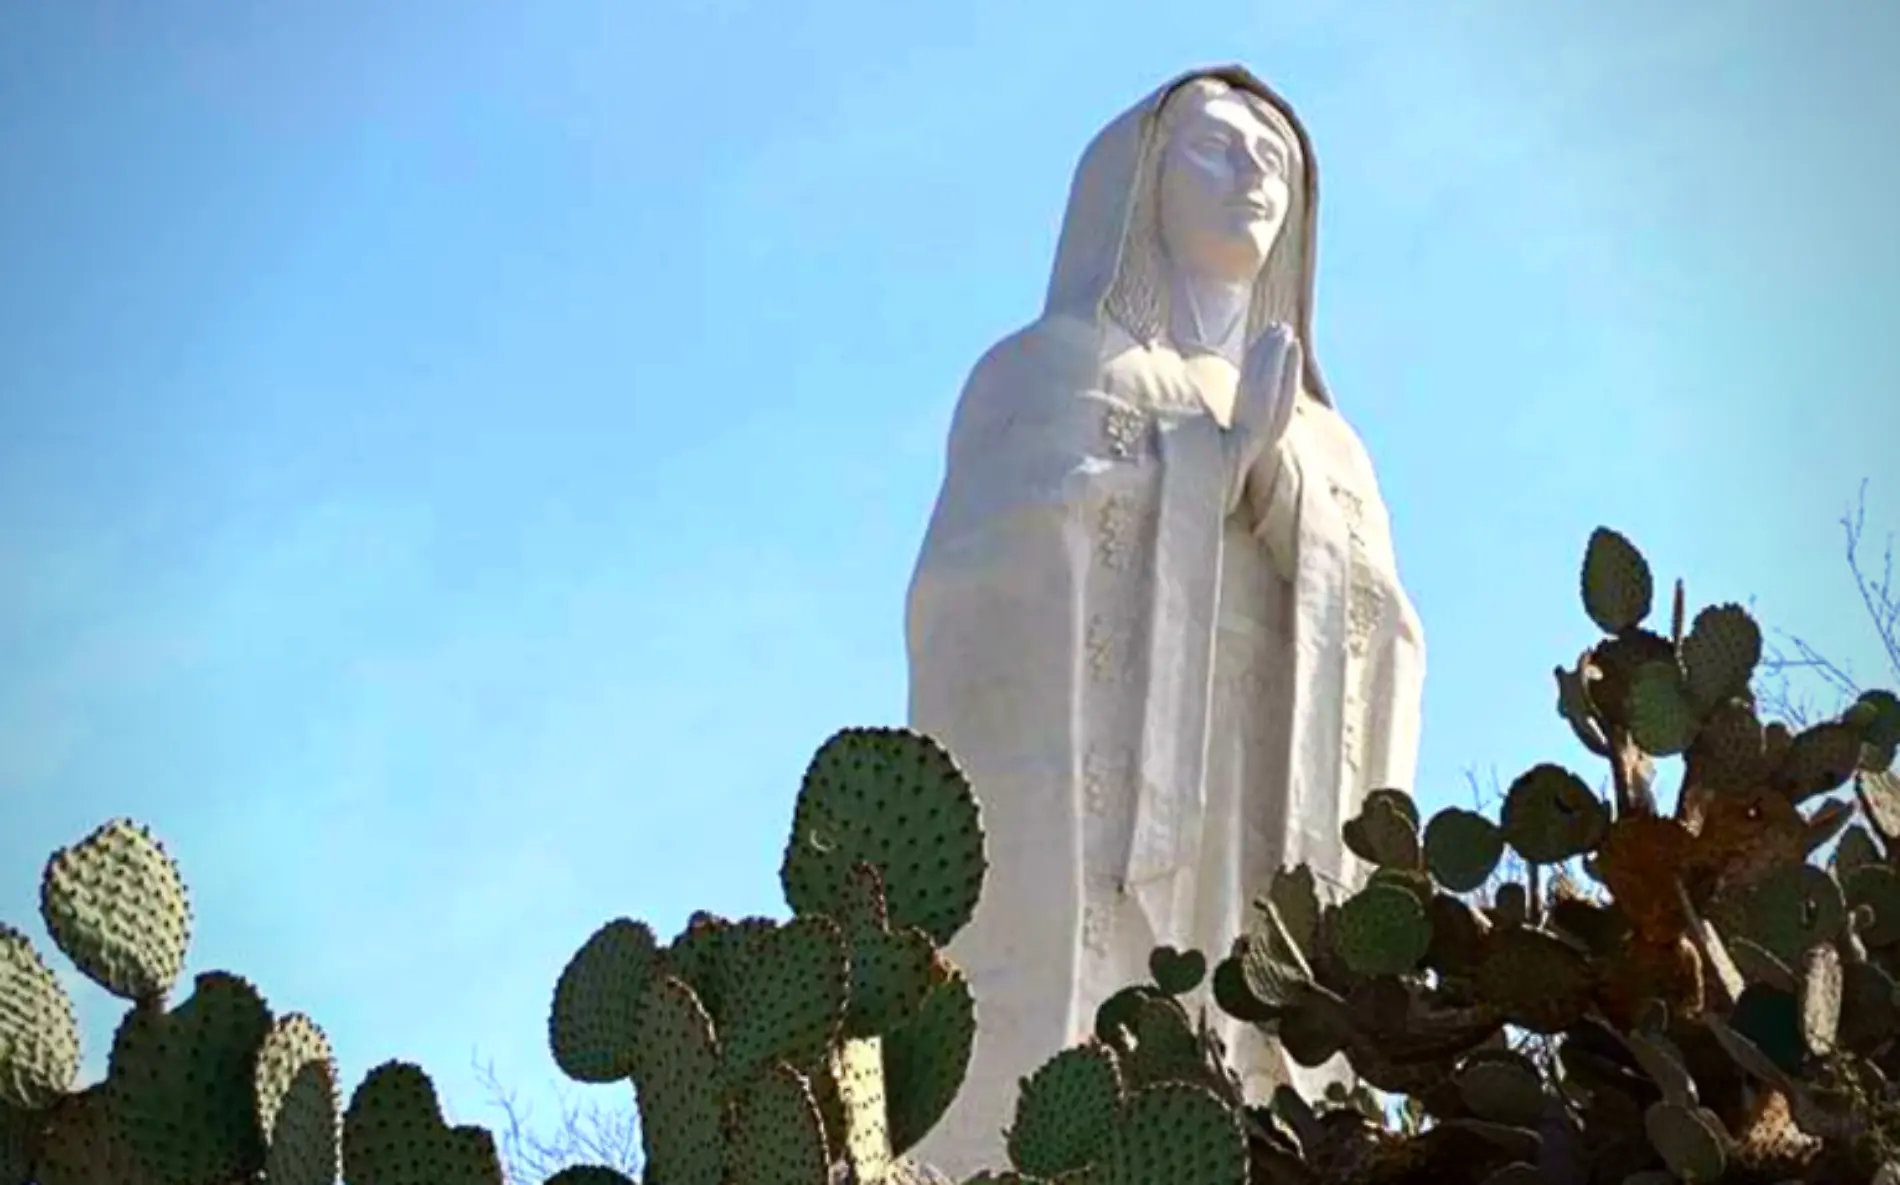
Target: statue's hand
{"x": 1269, "y": 385}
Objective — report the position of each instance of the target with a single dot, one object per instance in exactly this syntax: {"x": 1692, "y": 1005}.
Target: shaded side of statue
{"x": 1157, "y": 614}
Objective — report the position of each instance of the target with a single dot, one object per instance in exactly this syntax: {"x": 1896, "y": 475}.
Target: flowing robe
{"x": 1171, "y": 656}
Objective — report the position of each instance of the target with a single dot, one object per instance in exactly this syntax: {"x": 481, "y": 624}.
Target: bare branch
{"x": 1797, "y": 682}
{"x": 581, "y": 1134}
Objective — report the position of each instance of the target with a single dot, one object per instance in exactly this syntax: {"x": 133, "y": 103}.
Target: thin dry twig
{"x": 582, "y": 1134}
{"x": 1795, "y": 673}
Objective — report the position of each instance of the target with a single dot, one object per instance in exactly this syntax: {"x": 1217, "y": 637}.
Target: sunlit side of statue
{"x": 1157, "y": 614}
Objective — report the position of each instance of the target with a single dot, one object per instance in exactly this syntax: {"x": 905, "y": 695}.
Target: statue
{"x": 1157, "y": 614}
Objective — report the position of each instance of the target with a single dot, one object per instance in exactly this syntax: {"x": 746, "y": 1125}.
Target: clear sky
{"x": 458, "y": 458}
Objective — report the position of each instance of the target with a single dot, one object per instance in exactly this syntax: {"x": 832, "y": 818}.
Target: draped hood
{"x": 1108, "y": 256}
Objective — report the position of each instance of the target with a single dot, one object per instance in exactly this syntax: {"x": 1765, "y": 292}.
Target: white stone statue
{"x": 1157, "y": 615}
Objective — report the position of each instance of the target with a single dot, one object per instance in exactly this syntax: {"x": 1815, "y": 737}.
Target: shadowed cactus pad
{"x": 394, "y": 1134}
{"x": 115, "y": 904}
{"x": 925, "y": 1060}
{"x": 678, "y": 1087}
{"x": 1462, "y": 849}
{"x": 894, "y": 799}
{"x": 891, "y": 971}
{"x": 1539, "y": 982}
{"x": 1066, "y": 1112}
{"x": 1385, "y": 832}
{"x": 183, "y": 1083}
{"x": 590, "y": 1174}
{"x": 1662, "y": 716}
{"x": 39, "y": 1034}
{"x": 1550, "y": 815}
{"x": 1502, "y": 1087}
{"x": 1819, "y": 759}
{"x": 1177, "y": 1134}
{"x": 83, "y": 1146}
{"x": 1720, "y": 653}
{"x": 778, "y": 1137}
{"x": 1177, "y": 972}
{"x": 1618, "y": 588}
{"x": 1789, "y": 912}
{"x": 298, "y": 1110}
{"x": 788, "y": 1000}
{"x": 1690, "y": 1140}
{"x": 593, "y": 1024}
{"x": 1382, "y": 930}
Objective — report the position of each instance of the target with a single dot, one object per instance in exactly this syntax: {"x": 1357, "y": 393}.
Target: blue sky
{"x": 457, "y": 459}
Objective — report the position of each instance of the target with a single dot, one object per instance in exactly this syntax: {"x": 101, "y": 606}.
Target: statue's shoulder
{"x": 1057, "y": 350}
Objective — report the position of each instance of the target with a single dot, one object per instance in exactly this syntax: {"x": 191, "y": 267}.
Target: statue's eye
{"x": 1212, "y": 146}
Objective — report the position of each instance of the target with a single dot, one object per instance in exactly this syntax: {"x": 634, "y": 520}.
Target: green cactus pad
{"x": 1178, "y": 1134}
{"x": 891, "y": 972}
{"x": 1720, "y": 653}
{"x": 895, "y": 799}
{"x": 678, "y": 1087}
{"x": 1537, "y": 981}
{"x": 39, "y": 1033}
{"x": 1873, "y": 885}
{"x": 1462, "y": 849}
{"x": 394, "y": 1134}
{"x": 1689, "y": 1140}
{"x": 789, "y": 999}
{"x": 115, "y": 904}
{"x": 1066, "y": 1112}
{"x": 1819, "y": 759}
{"x": 1382, "y": 930}
{"x": 82, "y": 1144}
{"x": 1177, "y": 972}
{"x": 1820, "y": 996}
{"x": 183, "y": 1083}
{"x": 1879, "y": 794}
{"x": 596, "y": 1010}
{"x": 1791, "y": 910}
{"x": 294, "y": 1084}
{"x": 1616, "y": 582}
{"x": 1662, "y": 715}
{"x": 590, "y": 1174}
{"x": 706, "y": 956}
{"x": 1502, "y": 1086}
{"x": 925, "y": 1060}
{"x": 1385, "y": 831}
{"x": 778, "y": 1137}
{"x": 1550, "y": 815}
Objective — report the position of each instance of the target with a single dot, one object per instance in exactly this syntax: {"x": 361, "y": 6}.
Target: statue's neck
{"x": 1208, "y": 316}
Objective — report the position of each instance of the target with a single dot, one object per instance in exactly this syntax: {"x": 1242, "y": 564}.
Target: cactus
{"x": 1653, "y": 995}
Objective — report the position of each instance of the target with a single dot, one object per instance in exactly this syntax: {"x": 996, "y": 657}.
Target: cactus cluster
{"x": 212, "y": 1090}
{"x": 824, "y": 1046}
{"x": 1592, "y": 987}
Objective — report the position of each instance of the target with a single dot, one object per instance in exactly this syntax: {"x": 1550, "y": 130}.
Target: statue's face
{"x": 1224, "y": 187}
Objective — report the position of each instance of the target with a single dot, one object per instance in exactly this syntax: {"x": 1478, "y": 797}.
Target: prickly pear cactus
{"x": 209, "y": 1090}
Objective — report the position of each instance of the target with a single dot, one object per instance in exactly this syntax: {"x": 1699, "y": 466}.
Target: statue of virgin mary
{"x": 1157, "y": 615}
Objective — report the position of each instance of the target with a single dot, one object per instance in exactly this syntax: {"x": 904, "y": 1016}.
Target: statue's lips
{"x": 1255, "y": 209}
